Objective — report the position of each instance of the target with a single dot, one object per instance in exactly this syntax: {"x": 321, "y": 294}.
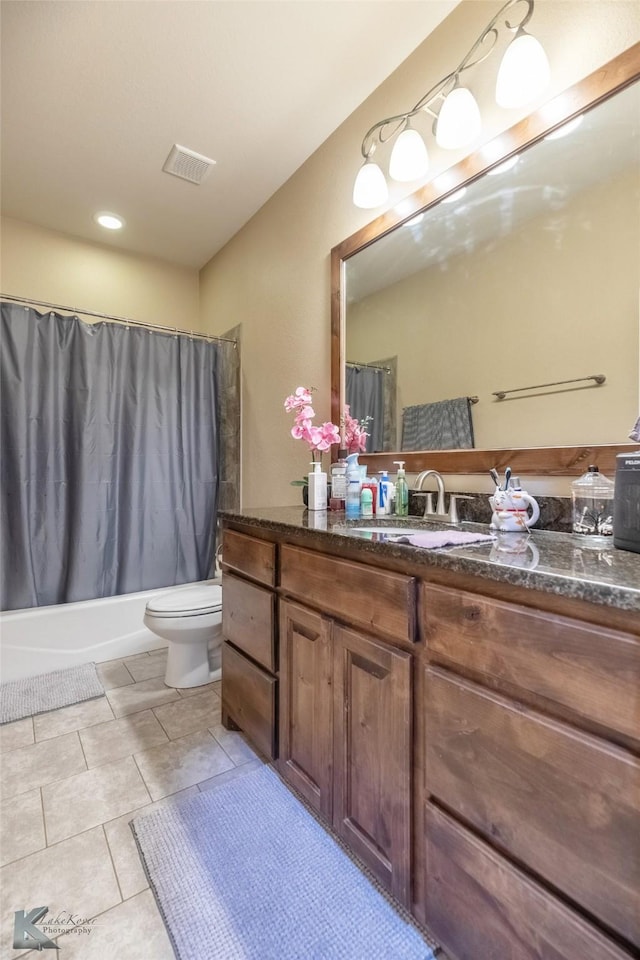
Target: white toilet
{"x": 191, "y": 621}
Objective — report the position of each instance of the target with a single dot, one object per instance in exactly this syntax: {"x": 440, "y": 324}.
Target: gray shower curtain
{"x": 109, "y": 464}
{"x": 364, "y": 390}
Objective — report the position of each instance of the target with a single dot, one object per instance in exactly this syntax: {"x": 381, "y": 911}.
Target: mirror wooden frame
{"x": 549, "y": 461}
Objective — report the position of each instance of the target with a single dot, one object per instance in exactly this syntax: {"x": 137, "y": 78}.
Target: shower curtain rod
{"x": 125, "y": 320}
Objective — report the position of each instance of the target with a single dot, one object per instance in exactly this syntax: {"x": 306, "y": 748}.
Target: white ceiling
{"x": 96, "y": 92}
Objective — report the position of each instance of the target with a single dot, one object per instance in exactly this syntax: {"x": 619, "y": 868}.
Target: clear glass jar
{"x": 592, "y": 508}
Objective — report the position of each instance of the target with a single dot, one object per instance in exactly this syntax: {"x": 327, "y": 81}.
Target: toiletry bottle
{"x": 317, "y": 488}
{"x": 366, "y": 503}
{"x": 338, "y": 482}
{"x": 402, "y": 491}
{"x": 382, "y": 508}
{"x": 592, "y": 503}
{"x": 372, "y": 484}
{"x": 352, "y": 511}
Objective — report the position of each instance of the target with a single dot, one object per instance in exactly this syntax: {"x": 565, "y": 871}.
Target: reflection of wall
{"x": 556, "y": 300}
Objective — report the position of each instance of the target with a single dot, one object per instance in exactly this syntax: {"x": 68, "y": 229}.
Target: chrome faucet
{"x": 440, "y": 513}
{"x": 428, "y": 506}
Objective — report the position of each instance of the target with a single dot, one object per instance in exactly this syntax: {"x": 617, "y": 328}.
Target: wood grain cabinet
{"x": 345, "y": 716}
{"x": 475, "y": 744}
{"x": 249, "y": 648}
{"x": 532, "y": 784}
{"x": 372, "y": 755}
{"x": 306, "y": 704}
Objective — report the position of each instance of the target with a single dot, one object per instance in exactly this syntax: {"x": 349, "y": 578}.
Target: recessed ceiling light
{"x": 566, "y": 128}
{"x": 111, "y": 221}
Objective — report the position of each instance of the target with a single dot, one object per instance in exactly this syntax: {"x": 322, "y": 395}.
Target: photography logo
{"x": 26, "y": 936}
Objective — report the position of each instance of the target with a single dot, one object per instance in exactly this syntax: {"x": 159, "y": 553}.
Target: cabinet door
{"x": 372, "y": 754}
{"x": 306, "y": 708}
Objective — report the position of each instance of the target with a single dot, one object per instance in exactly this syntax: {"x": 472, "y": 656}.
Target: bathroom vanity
{"x": 466, "y": 720}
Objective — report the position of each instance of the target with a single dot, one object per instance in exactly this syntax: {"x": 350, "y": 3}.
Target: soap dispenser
{"x": 317, "y": 487}
{"x": 402, "y": 491}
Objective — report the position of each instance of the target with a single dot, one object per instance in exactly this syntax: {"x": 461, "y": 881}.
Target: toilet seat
{"x": 191, "y": 602}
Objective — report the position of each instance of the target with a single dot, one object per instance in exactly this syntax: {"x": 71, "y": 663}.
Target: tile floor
{"x": 72, "y": 780}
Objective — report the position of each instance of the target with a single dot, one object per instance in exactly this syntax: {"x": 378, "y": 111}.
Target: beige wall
{"x": 547, "y": 303}
{"x": 56, "y": 268}
{"x": 273, "y": 277}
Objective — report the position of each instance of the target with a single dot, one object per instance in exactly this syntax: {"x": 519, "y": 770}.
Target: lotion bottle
{"x": 402, "y": 491}
{"x": 317, "y": 488}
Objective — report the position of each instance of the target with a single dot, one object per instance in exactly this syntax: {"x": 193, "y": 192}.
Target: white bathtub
{"x": 40, "y": 639}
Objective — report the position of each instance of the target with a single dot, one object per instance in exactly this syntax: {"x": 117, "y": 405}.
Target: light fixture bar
{"x": 452, "y": 104}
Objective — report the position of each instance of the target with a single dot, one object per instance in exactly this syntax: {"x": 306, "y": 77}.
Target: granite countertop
{"x": 542, "y": 560}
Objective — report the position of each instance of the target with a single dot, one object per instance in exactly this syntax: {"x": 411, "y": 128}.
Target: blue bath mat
{"x": 48, "y": 691}
{"x": 244, "y": 872}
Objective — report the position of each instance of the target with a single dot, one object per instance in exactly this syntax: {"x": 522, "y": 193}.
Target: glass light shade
{"x": 565, "y": 129}
{"x": 503, "y": 167}
{"x": 454, "y": 197}
{"x": 459, "y": 122}
{"x": 370, "y": 189}
{"x": 409, "y": 157}
{"x": 524, "y": 72}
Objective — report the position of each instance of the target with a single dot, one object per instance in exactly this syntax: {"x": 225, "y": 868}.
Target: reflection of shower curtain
{"x": 365, "y": 397}
{"x": 110, "y": 458}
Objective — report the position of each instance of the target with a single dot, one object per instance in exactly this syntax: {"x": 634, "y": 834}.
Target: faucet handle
{"x": 453, "y": 504}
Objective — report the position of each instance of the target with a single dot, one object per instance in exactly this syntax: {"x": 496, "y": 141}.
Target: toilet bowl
{"x": 190, "y": 620}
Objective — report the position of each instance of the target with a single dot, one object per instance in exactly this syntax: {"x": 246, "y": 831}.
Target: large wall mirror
{"x": 510, "y": 277}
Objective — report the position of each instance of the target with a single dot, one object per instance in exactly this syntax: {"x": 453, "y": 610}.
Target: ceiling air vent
{"x": 187, "y": 164}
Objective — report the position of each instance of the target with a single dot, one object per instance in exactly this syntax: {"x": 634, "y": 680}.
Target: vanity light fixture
{"x": 111, "y": 221}
{"x": 456, "y": 120}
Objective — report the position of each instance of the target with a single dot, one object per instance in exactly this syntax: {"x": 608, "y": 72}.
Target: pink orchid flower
{"x": 317, "y": 438}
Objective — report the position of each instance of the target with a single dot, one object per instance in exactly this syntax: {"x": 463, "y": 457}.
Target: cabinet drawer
{"x": 382, "y": 602}
{"x": 248, "y": 619}
{"x": 562, "y": 802}
{"x": 249, "y": 697}
{"x": 249, "y": 555}
{"x": 593, "y": 671}
{"x": 482, "y": 908}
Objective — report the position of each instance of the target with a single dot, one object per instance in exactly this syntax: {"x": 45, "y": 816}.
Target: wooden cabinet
{"x": 249, "y": 648}
{"x": 474, "y": 744}
{"x": 530, "y": 724}
{"x": 346, "y": 708}
{"x": 306, "y": 705}
{"x": 372, "y": 755}
{"x": 482, "y": 907}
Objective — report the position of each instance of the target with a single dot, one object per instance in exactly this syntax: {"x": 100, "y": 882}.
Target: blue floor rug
{"x": 244, "y": 872}
{"x": 48, "y": 691}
